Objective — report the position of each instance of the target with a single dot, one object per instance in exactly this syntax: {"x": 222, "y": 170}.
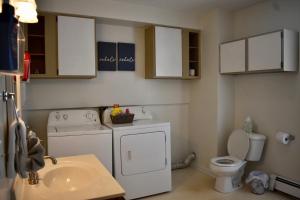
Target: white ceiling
{"x": 194, "y": 6}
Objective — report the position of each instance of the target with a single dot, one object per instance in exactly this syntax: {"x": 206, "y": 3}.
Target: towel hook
{"x": 9, "y": 95}
{"x": 4, "y": 95}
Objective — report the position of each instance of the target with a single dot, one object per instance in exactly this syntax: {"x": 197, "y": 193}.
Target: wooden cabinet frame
{"x": 150, "y": 60}
{"x": 51, "y": 48}
{"x": 187, "y": 48}
{"x": 49, "y": 39}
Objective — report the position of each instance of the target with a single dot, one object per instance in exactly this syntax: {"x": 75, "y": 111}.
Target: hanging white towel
{"x": 17, "y": 150}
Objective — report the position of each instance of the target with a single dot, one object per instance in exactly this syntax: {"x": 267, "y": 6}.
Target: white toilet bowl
{"x": 229, "y": 171}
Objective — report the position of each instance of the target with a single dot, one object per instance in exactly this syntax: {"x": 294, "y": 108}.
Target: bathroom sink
{"x": 76, "y": 177}
{"x": 68, "y": 178}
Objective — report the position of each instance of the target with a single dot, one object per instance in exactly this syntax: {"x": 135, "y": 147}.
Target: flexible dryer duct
{"x": 187, "y": 162}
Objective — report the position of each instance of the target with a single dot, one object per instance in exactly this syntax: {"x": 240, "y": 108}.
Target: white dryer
{"x": 75, "y": 132}
{"x": 142, "y": 154}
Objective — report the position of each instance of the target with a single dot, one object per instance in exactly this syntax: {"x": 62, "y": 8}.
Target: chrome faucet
{"x": 34, "y": 176}
{"x": 54, "y": 161}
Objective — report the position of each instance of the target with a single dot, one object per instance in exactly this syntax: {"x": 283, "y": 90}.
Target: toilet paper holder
{"x": 284, "y": 137}
{"x": 291, "y": 137}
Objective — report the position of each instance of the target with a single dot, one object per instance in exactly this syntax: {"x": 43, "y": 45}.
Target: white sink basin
{"x": 77, "y": 177}
{"x": 68, "y": 178}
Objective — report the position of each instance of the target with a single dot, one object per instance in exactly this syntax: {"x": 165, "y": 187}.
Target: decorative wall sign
{"x": 126, "y": 57}
{"x": 107, "y": 60}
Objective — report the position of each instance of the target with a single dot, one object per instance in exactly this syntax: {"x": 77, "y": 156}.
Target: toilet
{"x": 241, "y": 147}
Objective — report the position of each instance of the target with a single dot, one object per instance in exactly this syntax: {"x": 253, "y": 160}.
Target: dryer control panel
{"x": 73, "y": 117}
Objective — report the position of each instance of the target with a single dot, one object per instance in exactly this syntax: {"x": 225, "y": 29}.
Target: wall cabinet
{"x": 233, "y": 57}
{"x": 171, "y": 53}
{"x": 168, "y": 57}
{"x": 76, "y": 46}
{"x": 62, "y": 47}
{"x": 272, "y": 52}
{"x": 163, "y": 52}
{"x": 190, "y": 54}
{"x": 276, "y": 51}
{"x": 41, "y": 42}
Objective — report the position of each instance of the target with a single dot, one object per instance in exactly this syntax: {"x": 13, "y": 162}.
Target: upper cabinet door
{"x": 168, "y": 52}
{"x": 233, "y": 57}
{"x": 76, "y": 46}
{"x": 265, "y": 52}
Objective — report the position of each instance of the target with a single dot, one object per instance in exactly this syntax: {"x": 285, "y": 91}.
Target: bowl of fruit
{"x": 118, "y": 116}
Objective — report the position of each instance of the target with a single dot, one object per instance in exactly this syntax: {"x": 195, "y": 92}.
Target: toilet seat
{"x": 226, "y": 161}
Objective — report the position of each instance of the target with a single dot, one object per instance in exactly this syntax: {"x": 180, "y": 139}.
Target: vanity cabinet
{"x": 277, "y": 51}
{"x": 233, "y": 57}
{"x": 172, "y": 53}
{"x": 76, "y": 46}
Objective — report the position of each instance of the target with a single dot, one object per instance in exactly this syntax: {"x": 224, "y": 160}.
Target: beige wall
{"x": 126, "y": 88}
{"x": 121, "y": 10}
{"x": 203, "y": 110}
{"x": 215, "y": 104}
{"x": 220, "y": 104}
{"x": 225, "y": 120}
{"x": 168, "y": 99}
{"x": 203, "y": 99}
{"x": 176, "y": 114}
{"x": 272, "y": 100}
{"x": 211, "y": 110}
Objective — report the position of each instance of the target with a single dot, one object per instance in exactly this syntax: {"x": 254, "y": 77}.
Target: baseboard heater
{"x": 285, "y": 185}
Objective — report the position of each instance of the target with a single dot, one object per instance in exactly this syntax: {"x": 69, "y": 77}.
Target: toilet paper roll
{"x": 283, "y": 138}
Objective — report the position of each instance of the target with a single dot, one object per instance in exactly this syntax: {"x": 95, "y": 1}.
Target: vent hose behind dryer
{"x": 186, "y": 163}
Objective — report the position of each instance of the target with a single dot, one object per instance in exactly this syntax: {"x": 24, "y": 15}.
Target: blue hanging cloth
{"x": 8, "y": 39}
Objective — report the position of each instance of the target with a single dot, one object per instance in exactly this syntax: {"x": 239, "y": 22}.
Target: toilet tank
{"x": 257, "y": 142}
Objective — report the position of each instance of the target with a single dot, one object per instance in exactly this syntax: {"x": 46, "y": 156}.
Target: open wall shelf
{"x": 41, "y": 40}
{"x": 188, "y": 49}
{"x": 36, "y": 46}
{"x": 191, "y": 53}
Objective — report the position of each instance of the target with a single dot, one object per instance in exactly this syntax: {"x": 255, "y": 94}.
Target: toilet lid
{"x": 238, "y": 144}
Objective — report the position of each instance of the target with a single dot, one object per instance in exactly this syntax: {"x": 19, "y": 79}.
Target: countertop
{"x": 103, "y": 185}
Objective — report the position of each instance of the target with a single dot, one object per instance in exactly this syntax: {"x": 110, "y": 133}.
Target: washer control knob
{"x": 65, "y": 116}
{"x": 57, "y": 116}
{"x": 89, "y": 116}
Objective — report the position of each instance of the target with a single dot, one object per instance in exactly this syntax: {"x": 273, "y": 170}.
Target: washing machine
{"x": 76, "y": 132}
{"x": 141, "y": 154}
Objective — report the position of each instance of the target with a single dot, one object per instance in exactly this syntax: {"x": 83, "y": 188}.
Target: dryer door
{"x": 142, "y": 153}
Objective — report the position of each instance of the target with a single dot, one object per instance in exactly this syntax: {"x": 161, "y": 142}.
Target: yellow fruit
{"x": 116, "y": 111}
